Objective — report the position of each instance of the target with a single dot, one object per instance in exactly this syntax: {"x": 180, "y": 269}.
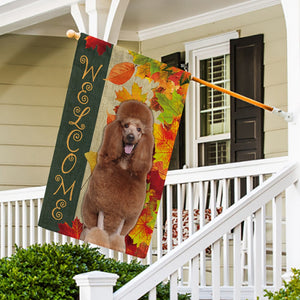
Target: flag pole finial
{"x": 73, "y": 34}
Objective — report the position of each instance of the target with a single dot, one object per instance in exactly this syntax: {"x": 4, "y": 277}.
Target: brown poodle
{"x": 117, "y": 189}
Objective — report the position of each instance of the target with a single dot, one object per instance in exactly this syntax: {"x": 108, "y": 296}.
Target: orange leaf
{"x": 164, "y": 141}
{"x": 121, "y": 73}
{"x": 136, "y": 94}
{"x": 142, "y": 233}
{"x": 110, "y": 118}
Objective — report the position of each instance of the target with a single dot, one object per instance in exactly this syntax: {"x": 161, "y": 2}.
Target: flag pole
{"x": 287, "y": 116}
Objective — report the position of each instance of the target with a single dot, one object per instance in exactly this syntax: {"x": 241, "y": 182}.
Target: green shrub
{"x": 46, "y": 272}
{"x": 290, "y": 291}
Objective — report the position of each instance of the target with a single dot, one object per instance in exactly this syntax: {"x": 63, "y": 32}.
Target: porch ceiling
{"x": 144, "y": 19}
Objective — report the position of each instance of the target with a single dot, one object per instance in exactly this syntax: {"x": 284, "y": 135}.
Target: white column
{"x": 96, "y": 285}
{"x": 98, "y": 11}
{"x": 292, "y": 17}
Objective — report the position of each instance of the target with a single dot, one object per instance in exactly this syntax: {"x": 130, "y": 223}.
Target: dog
{"x": 117, "y": 188}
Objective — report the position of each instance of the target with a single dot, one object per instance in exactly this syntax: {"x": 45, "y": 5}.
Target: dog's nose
{"x": 130, "y": 138}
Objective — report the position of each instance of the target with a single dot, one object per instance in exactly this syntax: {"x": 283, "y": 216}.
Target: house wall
{"x": 35, "y": 72}
{"x": 271, "y": 23}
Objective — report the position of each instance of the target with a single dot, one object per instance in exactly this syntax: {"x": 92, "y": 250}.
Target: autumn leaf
{"x": 176, "y": 77}
{"x": 164, "y": 141}
{"x": 136, "y": 94}
{"x": 91, "y": 157}
{"x": 171, "y": 108}
{"x": 74, "y": 231}
{"x": 121, "y": 73}
{"x": 94, "y": 43}
{"x": 140, "y": 59}
{"x": 110, "y": 118}
{"x": 185, "y": 78}
{"x": 143, "y": 71}
{"x": 132, "y": 249}
{"x": 141, "y": 231}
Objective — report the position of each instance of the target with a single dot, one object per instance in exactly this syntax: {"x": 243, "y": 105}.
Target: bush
{"x": 290, "y": 291}
{"x": 47, "y": 271}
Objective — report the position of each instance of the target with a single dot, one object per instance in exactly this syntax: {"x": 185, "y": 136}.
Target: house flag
{"x": 119, "y": 123}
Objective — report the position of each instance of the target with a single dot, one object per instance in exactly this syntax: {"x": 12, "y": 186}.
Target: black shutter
{"x": 246, "y": 78}
{"x": 178, "y": 155}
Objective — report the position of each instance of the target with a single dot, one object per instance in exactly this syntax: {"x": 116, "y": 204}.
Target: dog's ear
{"x": 141, "y": 161}
{"x": 112, "y": 143}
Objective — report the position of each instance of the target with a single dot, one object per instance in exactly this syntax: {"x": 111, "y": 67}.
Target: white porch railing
{"x": 187, "y": 191}
{"x": 250, "y": 206}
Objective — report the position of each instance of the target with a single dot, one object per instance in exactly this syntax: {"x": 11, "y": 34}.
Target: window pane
{"x": 214, "y": 153}
{"x": 214, "y": 105}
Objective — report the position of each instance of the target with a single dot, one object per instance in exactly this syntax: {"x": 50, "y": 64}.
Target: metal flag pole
{"x": 285, "y": 115}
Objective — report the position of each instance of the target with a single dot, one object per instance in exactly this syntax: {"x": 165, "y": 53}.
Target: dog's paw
{"x": 97, "y": 236}
{"x": 117, "y": 242}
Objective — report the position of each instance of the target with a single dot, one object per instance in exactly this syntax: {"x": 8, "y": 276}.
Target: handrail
{"x": 230, "y": 170}
{"x": 22, "y": 194}
{"x": 207, "y": 235}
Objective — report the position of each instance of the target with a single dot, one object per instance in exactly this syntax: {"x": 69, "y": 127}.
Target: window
{"x": 208, "y": 110}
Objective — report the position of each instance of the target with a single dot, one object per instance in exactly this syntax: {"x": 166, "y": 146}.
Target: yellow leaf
{"x": 136, "y": 94}
{"x": 91, "y": 157}
{"x": 142, "y": 233}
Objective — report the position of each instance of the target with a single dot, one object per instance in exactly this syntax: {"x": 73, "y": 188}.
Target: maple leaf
{"x": 91, "y": 157}
{"x": 164, "y": 141}
{"x": 176, "y": 76}
{"x": 110, "y": 118}
{"x": 94, "y": 43}
{"x": 121, "y": 73}
{"x": 140, "y": 59}
{"x": 160, "y": 168}
{"x": 143, "y": 71}
{"x": 171, "y": 109}
{"x": 141, "y": 233}
{"x": 132, "y": 249}
{"x": 185, "y": 78}
{"x": 74, "y": 231}
{"x": 136, "y": 94}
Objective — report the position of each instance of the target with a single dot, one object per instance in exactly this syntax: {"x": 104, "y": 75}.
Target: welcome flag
{"x": 104, "y": 76}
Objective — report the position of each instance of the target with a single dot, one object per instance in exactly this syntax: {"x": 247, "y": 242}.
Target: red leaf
{"x": 92, "y": 42}
{"x": 74, "y": 231}
{"x": 121, "y": 73}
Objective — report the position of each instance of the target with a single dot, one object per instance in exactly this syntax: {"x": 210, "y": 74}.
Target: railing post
{"x": 96, "y": 285}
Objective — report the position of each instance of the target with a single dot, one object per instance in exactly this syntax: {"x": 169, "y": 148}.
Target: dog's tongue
{"x": 128, "y": 148}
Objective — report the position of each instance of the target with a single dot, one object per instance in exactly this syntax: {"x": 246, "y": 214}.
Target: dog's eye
{"x": 139, "y": 129}
{"x": 126, "y": 125}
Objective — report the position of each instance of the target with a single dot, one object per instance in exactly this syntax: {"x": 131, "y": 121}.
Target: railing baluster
{"x": 237, "y": 267}
{"x": 215, "y": 261}
{"x": 173, "y": 286}
{"x": 258, "y": 288}
{"x": 159, "y": 231}
{"x": 2, "y": 224}
{"x": 225, "y": 205}
{"x": 277, "y": 240}
{"x": 24, "y": 224}
{"x": 194, "y": 282}
{"x": 249, "y": 230}
{"x": 212, "y": 200}
{"x": 40, "y": 230}
{"x": 9, "y": 229}
{"x": 202, "y": 219}
{"x": 152, "y": 294}
{"x": 169, "y": 217}
{"x": 179, "y": 229}
{"x": 32, "y": 222}
{"x": 17, "y": 223}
